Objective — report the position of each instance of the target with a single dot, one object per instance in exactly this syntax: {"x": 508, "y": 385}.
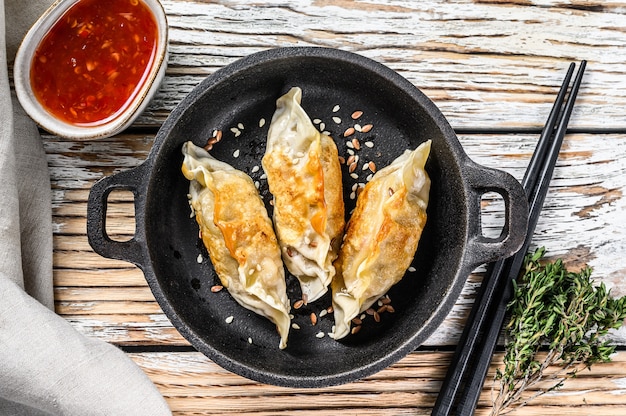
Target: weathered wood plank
{"x": 586, "y": 196}
{"x": 192, "y": 384}
{"x": 484, "y": 63}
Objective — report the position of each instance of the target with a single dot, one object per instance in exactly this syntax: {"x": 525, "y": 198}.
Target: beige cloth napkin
{"x": 46, "y": 367}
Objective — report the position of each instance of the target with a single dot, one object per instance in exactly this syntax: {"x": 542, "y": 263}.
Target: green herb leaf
{"x": 563, "y": 311}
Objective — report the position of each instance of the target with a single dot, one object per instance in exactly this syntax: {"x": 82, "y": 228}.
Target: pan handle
{"x": 133, "y": 180}
{"x": 482, "y": 249}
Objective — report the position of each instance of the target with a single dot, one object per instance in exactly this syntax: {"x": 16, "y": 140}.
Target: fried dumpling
{"x": 381, "y": 236}
{"x": 238, "y": 234}
{"x": 304, "y": 177}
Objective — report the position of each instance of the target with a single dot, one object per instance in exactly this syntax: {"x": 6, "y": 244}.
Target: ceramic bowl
{"x": 144, "y": 91}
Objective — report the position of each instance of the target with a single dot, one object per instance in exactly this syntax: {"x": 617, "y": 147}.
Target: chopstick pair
{"x": 466, "y": 375}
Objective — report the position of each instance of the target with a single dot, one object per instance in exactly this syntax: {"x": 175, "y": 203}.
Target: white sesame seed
{"x": 236, "y": 153}
{"x": 352, "y": 195}
{"x": 262, "y": 122}
{"x": 351, "y": 152}
{"x": 255, "y": 169}
{"x": 369, "y": 177}
{"x": 319, "y": 335}
{"x": 337, "y": 120}
{"x": 323, "y": 312}
{"x": 235, "y": 130}
{"x": 249, "y": 340}
{"x": 326, "y": 133}
{"x": 257, "y": 184}
{"x": 199, "y": 259}
{"x": 291, "y": 316}
{"x": 238, "y": 133}
{"x": 349, "y": 144}
{"x": 412, "y": 269}
{"x": 357, "y": 127}
{"x": 322, "y": 126}
{"x": 295, "y": 326}
{"x": 264, "y": 176}
{"x": 229, "y": 319}
{"x": 336, "y": 108}
{"x": 214, "y": 133}
{"x": 240, "y": 126}
{"x": 369, "y": 144}
{"x": 356, "y": 185}
{"x": 365, "y": 166}
{"x": 354, "y": 176}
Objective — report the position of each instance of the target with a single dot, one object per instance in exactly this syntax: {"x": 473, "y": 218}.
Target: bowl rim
{"x": 25, "y": 95}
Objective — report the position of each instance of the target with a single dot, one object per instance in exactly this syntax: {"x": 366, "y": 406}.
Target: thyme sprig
{"x": 563, "y": 311}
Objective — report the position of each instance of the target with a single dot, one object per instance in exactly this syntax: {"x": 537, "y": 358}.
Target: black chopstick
{"x": 465, "y": 377}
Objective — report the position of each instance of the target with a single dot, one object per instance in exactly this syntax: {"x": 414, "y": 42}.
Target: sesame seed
{"x": 369, "y": 177}
{"x": 240, "y": 126}
{"x": 218, "y": 135}
{"x": 356, "y": 114}
{"x": 316, "y": 121}
{"x": 353, "y": 195}
{"x": 216, "y": 288}
{"x": 263, "y": 177}
{"x": 376, "y": 316}
{"x": 354, "y": 176}
{"x": 349, "y": 132}
{"x": 342, "y": 159}
{"x": 390, "y": 309}
{"x": 229, "y": 319}
{"x": 319, "y": 335}
{"x": 369, "y": 144}
{"x": 249, "y": 340}
{"x": 255, "y": 168}
{"x": 322, "y": 126}
{"x": 349, "y": 144}
{"x": 214, "y": 133}
{"x": 358, "y": 128}
{"x": 356, "y": 185}
{"x": 336, "y": 108}
{"x": 337, "y": 120}
{"x": 330, "y": 309}
{"x": 313, "y": 318}
{"x": 412, "y": 269}
{"x": 298, "y": 304}
{"x": 366, "y": 128}
{"x": 366, "y": 166}
{"x": 235, "y": 130}
{"x": 356, "y": 144}
{"x": 357, "y": 321}
{"x": 295, "y": 326}
{"x": 323, "y": 313}
{"x": 355, "y": 330}
{"x": 236, "y": 153}
{"x": 326, "y": 133}
{"x": 372, "y": 166}
{"x": 199, "y": 259}
{"x": 352, "y": 167}
{"x": 350, "y": 152}
{"x": 262, "y": 122}
{"x": 257, "y": 184}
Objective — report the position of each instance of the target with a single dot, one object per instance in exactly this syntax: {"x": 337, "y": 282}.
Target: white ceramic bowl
{"x": 122, "y": 120}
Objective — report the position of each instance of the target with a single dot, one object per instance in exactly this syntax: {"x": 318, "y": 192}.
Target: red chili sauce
{"x": 93, "y": 61}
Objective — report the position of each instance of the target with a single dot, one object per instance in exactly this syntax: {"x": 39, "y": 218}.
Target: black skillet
{"x": 166, "y": 245}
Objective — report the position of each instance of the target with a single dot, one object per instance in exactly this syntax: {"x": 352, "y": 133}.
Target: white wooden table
{"x": 492, "y": 67}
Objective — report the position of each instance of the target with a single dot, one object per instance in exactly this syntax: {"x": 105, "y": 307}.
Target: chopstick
{"x": 466, "y": 375}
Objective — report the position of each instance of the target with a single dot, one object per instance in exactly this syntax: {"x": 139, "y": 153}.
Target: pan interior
{"x": 242, "y": 98}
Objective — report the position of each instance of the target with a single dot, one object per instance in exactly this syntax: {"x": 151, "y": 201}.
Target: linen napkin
{"x": 46, "y": 366}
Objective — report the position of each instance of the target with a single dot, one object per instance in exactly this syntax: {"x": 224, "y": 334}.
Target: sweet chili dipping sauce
{"x": 93, "y": 61}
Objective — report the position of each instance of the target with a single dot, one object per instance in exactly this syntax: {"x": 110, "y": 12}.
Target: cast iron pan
{"x": 166, "y": 244}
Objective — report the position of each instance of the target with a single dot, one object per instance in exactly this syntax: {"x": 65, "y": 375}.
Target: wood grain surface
{"x": 493, "y": 67}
